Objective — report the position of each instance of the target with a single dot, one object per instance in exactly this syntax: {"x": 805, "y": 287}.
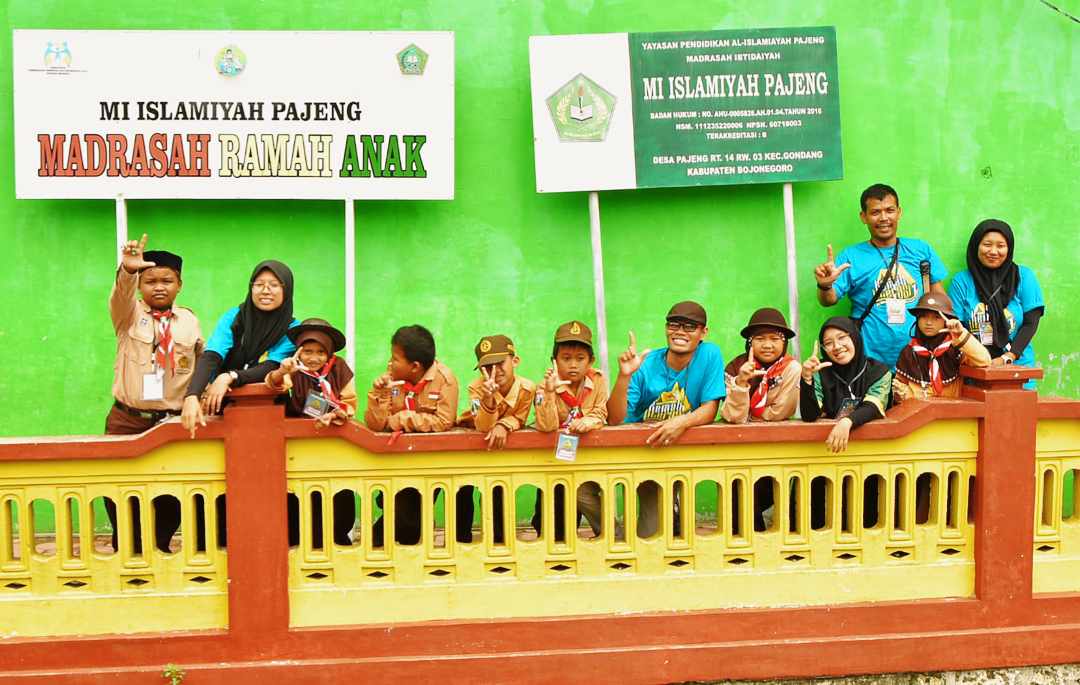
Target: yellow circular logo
{"x": 575, "y": 329}
{"x": 485, "y": 346}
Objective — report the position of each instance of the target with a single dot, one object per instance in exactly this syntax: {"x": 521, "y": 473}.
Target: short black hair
{"x": 571, "y": 344}
{"x": 417, "y": 343}
{"x": 878, "y": 191}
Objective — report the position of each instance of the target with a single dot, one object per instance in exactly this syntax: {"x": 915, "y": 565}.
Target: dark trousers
{"x": 166, "y": 508}
{"x": 408, "y": 517}
{"x": 344, "y": 519}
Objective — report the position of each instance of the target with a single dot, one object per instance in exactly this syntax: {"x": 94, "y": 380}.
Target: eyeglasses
{"x": 839, "y": 340}
{"x": 266, "y": 285}
{"x": 685, "y": 326}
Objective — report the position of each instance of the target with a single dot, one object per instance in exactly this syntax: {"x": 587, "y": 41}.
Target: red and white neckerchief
{"x": 936, "y": 380}
{"x": 411, "y": 391}
{"x": 758, "y": 399}
{"x": 163, "y": 352}
{"x": 574, "y": 403}
{"x": 321, "y": 378}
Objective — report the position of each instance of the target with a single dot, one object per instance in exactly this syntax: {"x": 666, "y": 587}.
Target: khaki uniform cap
{"x": 492, "y": 349}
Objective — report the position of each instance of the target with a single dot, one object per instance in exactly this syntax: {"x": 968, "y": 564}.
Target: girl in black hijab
{"x": 850, "y": 386}
{"x": 998, "y": 300}
{"x": 234, "y": 353}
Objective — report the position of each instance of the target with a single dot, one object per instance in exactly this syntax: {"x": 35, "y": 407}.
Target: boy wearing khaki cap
{"x": 500, "y": 400}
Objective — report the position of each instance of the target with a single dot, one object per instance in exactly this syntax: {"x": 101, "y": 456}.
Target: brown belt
{"x": 154, "y": 415}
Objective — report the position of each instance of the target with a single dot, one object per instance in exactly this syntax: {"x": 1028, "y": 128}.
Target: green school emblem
{"x": 581, "y": 110}
{"x": 412, "y": 61}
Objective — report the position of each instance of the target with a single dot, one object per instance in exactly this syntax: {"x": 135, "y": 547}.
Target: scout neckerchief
{"x": 163, "y": 352}
{"x": 320, "y": 377}
{"x": 940, "y": 362}
{"x": 757, "y": 399}
{"x": 574, "y": 403}
{"x": 411, "y": 391}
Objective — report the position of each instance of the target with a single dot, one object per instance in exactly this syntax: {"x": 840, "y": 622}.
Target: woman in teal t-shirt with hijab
{"x": 998, "y": 300}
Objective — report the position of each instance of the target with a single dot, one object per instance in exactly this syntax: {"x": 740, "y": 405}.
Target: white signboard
{"x": 234, "y": 114}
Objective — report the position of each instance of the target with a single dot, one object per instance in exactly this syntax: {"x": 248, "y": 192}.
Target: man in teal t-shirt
{"x": 859, "y": 269}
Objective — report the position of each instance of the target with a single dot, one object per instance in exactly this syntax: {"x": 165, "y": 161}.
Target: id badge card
{"x": 566, "y": 447}
{"x": 153, "y": 386}
{"x": 897, "y": 313}
{"x": 316, "y": 405}
{"x": 846, "y": 407}
{"x": 986, "y": 333}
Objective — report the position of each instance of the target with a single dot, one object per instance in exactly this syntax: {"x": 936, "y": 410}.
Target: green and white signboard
{"x": 647, "y": 110}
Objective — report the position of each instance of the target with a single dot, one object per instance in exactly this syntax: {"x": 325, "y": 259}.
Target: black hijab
{"x": 995, "y": 287}
{"x": 255, "y": 331}
{"x": 838, "y": 383}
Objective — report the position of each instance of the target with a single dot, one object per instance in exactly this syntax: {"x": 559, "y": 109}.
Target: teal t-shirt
{"x": 973, "y": 312}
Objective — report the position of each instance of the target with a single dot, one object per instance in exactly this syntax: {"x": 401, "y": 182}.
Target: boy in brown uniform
{"x": 417, "y": 394}
{"x": 157, "y": 345}
{"x": 499, "y": 403}
{"x": 573, "y": 399}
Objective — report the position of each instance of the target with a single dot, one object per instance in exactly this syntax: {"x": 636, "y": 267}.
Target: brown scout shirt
{"x": 435, "y": 409}
{"x": 135, "y": 336}
{"x": 972, "y": 353}
{"x": 512, "y": 411}
{"x": 780, "y": 401}
{"x": 552, "y": 410}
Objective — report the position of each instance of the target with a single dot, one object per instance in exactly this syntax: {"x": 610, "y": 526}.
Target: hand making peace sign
{"x": 131, "y": 257}
{"x": 827, "y": 272}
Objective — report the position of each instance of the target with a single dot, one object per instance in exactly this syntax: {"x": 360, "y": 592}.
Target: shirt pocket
{"x": 428, "y": 402}
{"x": 184, "y": 357}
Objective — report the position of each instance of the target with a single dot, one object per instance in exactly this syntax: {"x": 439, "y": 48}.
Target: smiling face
{"x": 573, "y": 361}
{"x": 159, "y": 286}
{"x": 838, "y": 345}
{"x": 882, "y": 217}
{"x": 267, "y": 292}
{"x": 683, "y": 337}
{"x": 504, "y": 372}
{"x": 993, "y": 250}
{"x": 767, "y": 345}
{"x": 312, "y": 355}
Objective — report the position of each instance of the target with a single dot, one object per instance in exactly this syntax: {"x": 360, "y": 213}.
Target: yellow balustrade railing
{"x": 886, "y": 520}
{"x": 1057, "y": 539}
{"x": 70, "y": 581}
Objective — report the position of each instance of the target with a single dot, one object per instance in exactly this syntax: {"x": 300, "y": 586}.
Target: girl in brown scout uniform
{"x": 763, "y": 382}
{"x": 930, "y": 364}
{"x": 572, "y": 399}
{"x": 320, "y": 385}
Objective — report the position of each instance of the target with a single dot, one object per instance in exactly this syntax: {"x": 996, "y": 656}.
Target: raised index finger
{"x": 829, "y": 252}
{"x": 142, "y": 242}
{"x": 817, "y": 350}
{"x": 633, "y": 342}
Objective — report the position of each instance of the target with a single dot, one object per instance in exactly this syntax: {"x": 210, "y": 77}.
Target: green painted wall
{"x": 969, "y": 108}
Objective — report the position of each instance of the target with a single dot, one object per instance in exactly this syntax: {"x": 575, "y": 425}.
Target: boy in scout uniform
{"x": 417, "y": 394}
{"x": 499, "y": 403}
{"x": 573, "y": 399}
{"x": 157, "y": 345}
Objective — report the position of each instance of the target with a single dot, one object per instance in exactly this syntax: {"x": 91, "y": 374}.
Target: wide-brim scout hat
{"x": 934, "y": 302}
{"x": 767, "y": 318}
{"x": 687, "y": 311}
{"x": 574, "y": 331}
{"x": 320, "y": 331}
{"x": 492, "y": 349}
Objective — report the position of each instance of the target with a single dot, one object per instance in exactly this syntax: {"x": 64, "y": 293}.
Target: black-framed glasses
{"x": 685, "y": 326}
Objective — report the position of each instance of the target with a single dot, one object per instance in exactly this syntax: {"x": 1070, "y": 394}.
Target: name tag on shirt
{"x": 897, "y": 313}
{"x": 316, "y": 405}
{"x": 153, "y": 386}
{"x": 986, "y": 333}
{"x": 846, "y": 407}
{"x": 566, "y": 447}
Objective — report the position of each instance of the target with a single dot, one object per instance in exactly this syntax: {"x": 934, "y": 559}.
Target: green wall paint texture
{"x": 970, "y": 109}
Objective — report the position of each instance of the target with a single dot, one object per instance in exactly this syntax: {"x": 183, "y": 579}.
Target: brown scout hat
{"x": 689, "y": 311}
{"x": 493, "y": 349}
{"x": 320, "y": 331}
{"x": 934, "y": 302}
{"x": 767, "y": 317}
{"x": 574, "y": 331}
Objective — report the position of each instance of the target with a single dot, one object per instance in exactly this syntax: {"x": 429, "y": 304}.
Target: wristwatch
{"x": 235, "y": 376}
